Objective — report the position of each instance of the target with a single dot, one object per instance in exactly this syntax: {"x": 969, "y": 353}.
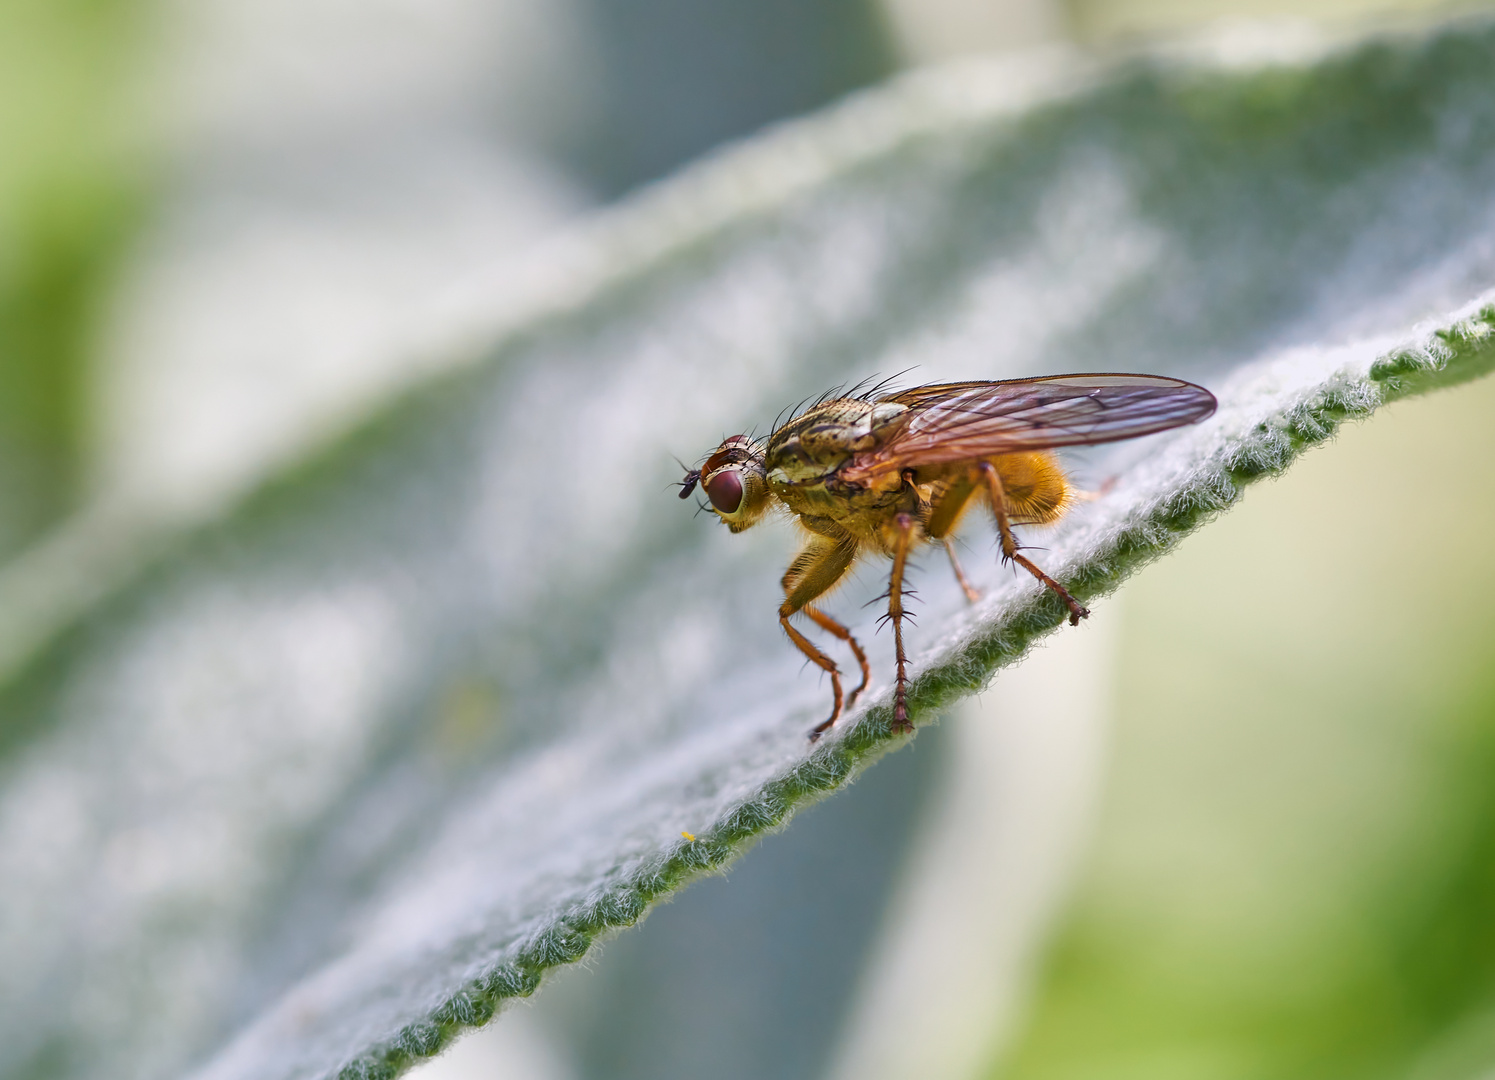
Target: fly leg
{"x": 830, "y": 625}
{"x": 905, "y": 526}
{"x": 812, "y": 572}
{"x": 972, "y": 595}
{"x": 1090, "y": 496}
{"x": 1077, "y": 611}
{"x": 824, "y": 663}
{"x": 944, "y": 515}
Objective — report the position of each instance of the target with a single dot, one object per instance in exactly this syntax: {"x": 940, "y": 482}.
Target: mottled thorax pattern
{"x": 813, "y": 446}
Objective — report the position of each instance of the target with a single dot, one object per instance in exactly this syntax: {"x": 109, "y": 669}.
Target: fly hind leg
{"x": 972, "y": 594}
{"x": 815, "y": 570}
{"x": 994, "y": 488}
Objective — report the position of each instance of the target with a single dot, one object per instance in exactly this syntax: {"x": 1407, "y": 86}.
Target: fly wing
{"x": 951, "y": 422}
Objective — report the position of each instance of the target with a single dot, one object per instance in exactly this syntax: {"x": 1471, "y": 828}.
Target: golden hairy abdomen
{"x": 1037, "y": 492}
{"x": 1033, "y": 484}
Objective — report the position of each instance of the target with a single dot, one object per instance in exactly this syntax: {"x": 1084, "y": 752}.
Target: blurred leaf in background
{"x": 1122, "y": 20}
{"x": 73, "y": 185}
{"x": 1292, "y": 874}
{"x": 675, "y": 79}
{"x": 343, "y": 177}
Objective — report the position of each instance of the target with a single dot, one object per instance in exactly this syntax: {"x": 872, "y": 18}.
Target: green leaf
{"x": 307, "y": 791}
{"x": 72, "y": 195}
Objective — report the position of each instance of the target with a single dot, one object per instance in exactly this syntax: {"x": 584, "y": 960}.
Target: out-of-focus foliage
{"x": 1293, "y": 875}
{"x": 1101, "y": 20}
{"x": 339, "y": 174}
{"x": 675, "y": 80}
{"x": 70, "y": 195}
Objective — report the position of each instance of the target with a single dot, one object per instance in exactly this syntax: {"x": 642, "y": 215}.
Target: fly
{"x": 887, "y": 473}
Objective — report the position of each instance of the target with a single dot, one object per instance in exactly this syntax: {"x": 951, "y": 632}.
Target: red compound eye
{"x": 724, "y": 489}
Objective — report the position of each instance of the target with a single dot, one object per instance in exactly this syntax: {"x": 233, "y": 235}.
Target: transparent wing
{"x": 951, "y": 422}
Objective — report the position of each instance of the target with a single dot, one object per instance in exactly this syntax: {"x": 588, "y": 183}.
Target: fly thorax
{"x": 824, "y": 439}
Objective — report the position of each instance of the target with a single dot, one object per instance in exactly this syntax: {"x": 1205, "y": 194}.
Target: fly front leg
{"x": 813, "y": 571}
{"x": 905, "y": 535}
{"x": 830, "y": 625}
{"x": 824, "y": 663}
{"x": 994, "y": 488}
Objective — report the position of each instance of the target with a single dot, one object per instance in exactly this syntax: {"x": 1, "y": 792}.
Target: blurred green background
{"x": 72, "y": 192}
{"x": 1291, "y": 871}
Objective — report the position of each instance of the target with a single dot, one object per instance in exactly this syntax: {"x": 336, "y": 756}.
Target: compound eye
{"x": 724, "y": 489}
